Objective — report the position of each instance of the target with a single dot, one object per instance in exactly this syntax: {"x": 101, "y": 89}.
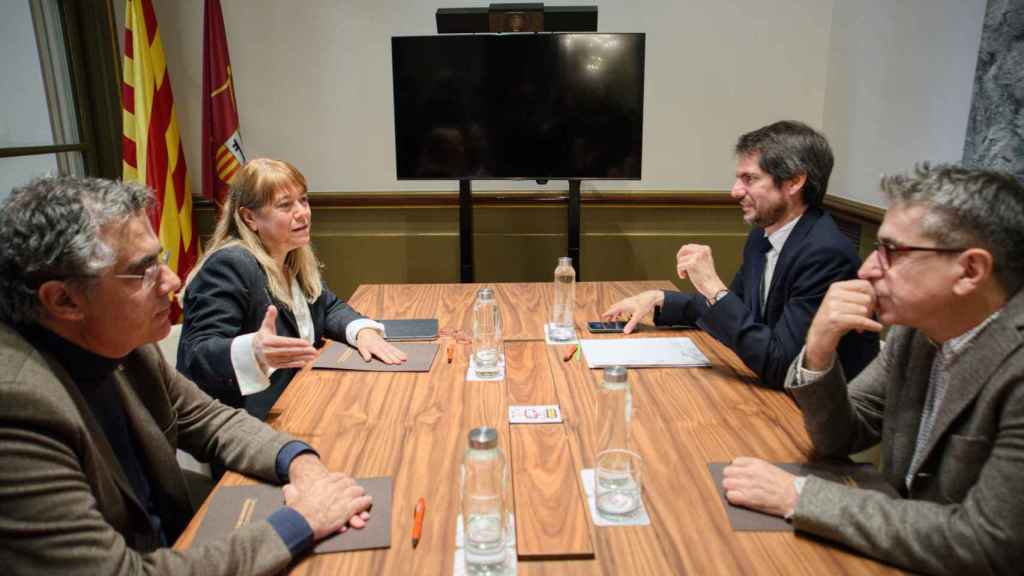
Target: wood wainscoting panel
{"x": 399, "y": 238}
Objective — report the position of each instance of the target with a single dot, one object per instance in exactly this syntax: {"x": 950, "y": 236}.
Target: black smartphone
{"x": 606, "y": 327}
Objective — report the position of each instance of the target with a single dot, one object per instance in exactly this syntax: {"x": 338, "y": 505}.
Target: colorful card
{"x": 534, "y": 414}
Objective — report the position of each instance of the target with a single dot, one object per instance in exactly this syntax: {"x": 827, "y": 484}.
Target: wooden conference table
{"x": 413, "y": 427}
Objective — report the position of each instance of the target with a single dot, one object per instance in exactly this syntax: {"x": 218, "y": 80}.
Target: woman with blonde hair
{"x": 255, "y": 306}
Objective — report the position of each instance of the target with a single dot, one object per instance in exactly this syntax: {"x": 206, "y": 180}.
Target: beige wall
{"x": 900, "y": 77}
{"x": 313, "y": 79}
{"x": 889, "y": 83}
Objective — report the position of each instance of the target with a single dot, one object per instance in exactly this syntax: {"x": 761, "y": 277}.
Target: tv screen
{"x": 519, "y": 106}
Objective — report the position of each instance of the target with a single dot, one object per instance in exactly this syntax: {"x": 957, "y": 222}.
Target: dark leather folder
{"x": 341, "y": 356}
{"x": 232, "y": 507}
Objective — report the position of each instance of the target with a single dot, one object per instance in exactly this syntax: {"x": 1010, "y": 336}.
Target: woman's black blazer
{"x": 229, "y": 297}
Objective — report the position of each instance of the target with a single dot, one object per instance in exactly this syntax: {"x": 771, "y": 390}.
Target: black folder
{"x": 415, "y": 329}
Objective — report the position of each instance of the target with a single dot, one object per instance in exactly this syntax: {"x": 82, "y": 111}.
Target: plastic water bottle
{"x": 614, "y": 410}
{"x": 487, "y": 342}
{"x": 484, "y": 507}
{"x": 563, "y": 325}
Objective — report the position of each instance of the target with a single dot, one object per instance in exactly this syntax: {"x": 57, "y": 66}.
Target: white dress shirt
{"x": 251, "y": 379}
{"x": 777, "y": 239}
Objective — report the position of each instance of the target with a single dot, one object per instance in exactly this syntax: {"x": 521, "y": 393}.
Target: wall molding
{"x": 855, "y": 210}
{"x": 842, "y": 207}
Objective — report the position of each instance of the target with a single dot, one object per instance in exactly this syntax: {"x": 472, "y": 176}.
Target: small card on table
{"x": 534, "y": 414}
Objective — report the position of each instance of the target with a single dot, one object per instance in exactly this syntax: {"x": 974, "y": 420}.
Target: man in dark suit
{"x": 945, "y": 397}
{"x": 792, "y": 255}
{"x": 91, "y": 414}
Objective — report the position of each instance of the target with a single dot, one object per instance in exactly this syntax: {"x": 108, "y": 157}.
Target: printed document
{"x": 643, "y": 352}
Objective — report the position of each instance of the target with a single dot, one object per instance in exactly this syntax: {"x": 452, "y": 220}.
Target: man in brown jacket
{"x": 945, "y": 397}
{"x": 91, "y": 414}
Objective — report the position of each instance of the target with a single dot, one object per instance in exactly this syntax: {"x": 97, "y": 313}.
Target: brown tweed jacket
{"x": 66, "y": 506}
{"x": 963, "y": 512}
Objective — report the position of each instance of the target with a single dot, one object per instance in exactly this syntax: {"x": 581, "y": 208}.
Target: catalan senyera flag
{"x": 151, "y": 144}
{"x": 222, "y": 144}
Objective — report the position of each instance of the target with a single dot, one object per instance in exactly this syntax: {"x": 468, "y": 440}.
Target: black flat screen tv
{"x": 519, "y": 106}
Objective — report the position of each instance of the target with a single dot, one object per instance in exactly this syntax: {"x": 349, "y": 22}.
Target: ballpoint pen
{"x": 417, "y": 523}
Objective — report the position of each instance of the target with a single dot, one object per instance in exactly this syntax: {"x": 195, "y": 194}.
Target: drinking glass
{"x": 485, "y": 534}
{"x": 618, "y": 477}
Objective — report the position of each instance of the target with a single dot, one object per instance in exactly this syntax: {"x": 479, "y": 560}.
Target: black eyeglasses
{"x": 887, "y": 249}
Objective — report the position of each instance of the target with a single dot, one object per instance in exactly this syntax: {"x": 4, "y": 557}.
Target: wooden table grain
{"x": 413, "y": 427}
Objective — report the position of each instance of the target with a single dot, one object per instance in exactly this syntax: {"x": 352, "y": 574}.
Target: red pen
{"x": 417, "y": 521}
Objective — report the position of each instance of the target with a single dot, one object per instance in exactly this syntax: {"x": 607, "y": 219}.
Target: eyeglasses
{"x": 150, "y": 276}
{"x": 887, "y": 249}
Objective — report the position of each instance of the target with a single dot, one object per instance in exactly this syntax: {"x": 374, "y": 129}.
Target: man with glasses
{"x": 91, "y": 414}
{"x": 792, "y": 255}
{"x": 945, "y": 397}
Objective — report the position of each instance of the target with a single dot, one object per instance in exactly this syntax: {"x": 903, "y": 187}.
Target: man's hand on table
{"x": 305, "y": 469}
{"x": 756, "y": 484}
{"x": 634, "y": 308}
{"x": 329, "y": 503}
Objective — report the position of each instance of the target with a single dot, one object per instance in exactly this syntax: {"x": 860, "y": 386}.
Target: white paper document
{"x": 643, "y": 352}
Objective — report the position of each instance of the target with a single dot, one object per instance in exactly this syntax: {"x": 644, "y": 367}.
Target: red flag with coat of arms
{"x": 222, "y": 144}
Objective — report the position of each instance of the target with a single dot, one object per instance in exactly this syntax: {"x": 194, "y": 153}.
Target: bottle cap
{"x": 564, "y": 261}
{"x": 615, "y": 374}
{"x": 483, "y": 438}
{"x": 485, "y": 293}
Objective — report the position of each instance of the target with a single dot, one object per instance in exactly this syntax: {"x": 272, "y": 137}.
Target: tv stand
{"x": 466, "y": 229}
{"x": 573, "y": 225}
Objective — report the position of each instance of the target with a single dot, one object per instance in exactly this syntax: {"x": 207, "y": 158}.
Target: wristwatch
{"x": 718, "y": 296}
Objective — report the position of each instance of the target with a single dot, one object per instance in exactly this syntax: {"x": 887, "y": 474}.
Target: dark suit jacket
{"x": 815, "y": 255}
{"x": 963, "y": 512}
{"x": 66, "y": 505}
{"x": 229, "y": 297}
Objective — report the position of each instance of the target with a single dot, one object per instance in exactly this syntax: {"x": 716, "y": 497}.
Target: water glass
{"x": 618, "y": 478}
{"x": 485, "y": 534}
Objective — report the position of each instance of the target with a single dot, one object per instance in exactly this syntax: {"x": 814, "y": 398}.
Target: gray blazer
{"x": 66, "y": 506}
{"x": 963, "y": 512}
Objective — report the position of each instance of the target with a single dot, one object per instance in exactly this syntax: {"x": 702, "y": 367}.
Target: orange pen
{"x": 572, "y": 351}
{"x": 417, "y": 522}
{"x": 451, "y": 351}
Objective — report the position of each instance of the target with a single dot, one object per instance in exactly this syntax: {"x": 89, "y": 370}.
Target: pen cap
{"x": 615, "y": 374}
{"x": 483, "y": 438}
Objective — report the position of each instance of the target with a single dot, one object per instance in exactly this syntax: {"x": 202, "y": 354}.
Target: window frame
{"x": 93, "y": 57}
